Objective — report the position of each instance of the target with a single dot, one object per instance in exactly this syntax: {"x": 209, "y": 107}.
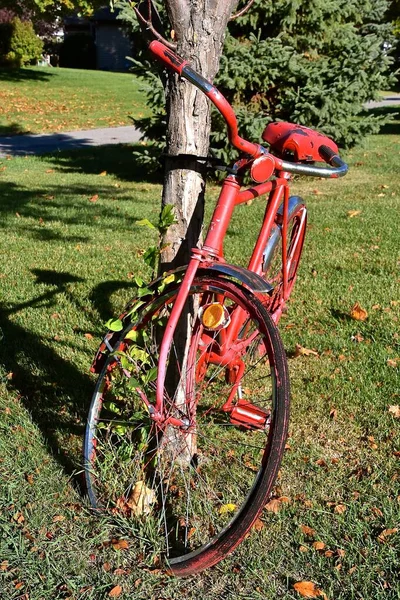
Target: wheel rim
{"x": 181, "y": 491}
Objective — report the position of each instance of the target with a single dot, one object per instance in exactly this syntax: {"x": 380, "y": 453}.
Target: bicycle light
{"x": 214, "y": 316}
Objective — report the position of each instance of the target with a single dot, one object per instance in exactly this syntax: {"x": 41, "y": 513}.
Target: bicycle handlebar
{"x": 183, "y": 68}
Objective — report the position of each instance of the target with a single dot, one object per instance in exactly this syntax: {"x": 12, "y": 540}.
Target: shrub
{"x": 19, "y": 44}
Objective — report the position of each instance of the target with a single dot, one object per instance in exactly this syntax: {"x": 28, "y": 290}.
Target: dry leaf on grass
{"x": 141, "y": 499}
{"x": 308, "y": 531}
{"x": 301, "y": 351}
{"x": 386, "y": 533}
{"x": 340, "y": 509}
{"x": 273, "y": 505}
{"x": 393, "y": 362}
{"x": 115, "y": 592}
{"x": 318, "y": 545}
{"x": 94, "y": 198}
{"x": 119, "y": 544}
{"x": 308, "y": 589}
{"x": 358, "y": 313}
{"x": 353, "y": 213}
{"x": 395, "y": 411}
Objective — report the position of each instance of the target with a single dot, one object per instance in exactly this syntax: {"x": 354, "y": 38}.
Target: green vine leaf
{"x": 146, "y": 223}
{"x": 115, "y": 324}
{"x": 150, "y": 256}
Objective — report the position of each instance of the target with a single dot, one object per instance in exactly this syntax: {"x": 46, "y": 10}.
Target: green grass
{"x": 37, "y": 100}
{"x": 67, "y": 264}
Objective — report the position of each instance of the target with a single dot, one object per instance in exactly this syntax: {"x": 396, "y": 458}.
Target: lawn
{"x": 69, "y": 248}
{"x": 39, "y": 100}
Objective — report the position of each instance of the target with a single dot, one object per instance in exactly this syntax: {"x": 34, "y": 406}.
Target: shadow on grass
{"x": 12, "y": 129}
{"x": 12, "y": 74}
{"x": 38, "y": 209}
{"x": 391, "y": 127}
{"x": 54, "y": 391}
{"x": 125, "y": 161}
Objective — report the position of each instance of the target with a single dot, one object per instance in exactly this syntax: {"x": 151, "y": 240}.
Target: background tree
{"x": 315, "y": 63}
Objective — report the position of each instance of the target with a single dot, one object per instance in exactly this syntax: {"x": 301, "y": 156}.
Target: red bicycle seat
{"x": 302, "y": 142}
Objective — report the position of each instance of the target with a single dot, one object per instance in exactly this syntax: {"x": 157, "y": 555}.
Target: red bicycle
{"x": 189, "y": 417}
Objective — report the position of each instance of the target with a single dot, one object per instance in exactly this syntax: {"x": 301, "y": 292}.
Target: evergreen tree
{"x": 314, "y": 63}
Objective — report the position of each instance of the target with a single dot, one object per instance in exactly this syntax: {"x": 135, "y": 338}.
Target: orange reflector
{"x": 214, "y": 316}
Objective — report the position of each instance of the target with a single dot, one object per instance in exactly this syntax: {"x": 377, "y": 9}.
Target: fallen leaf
{"x": 303, "y": 549}
{"x": 141, "y": 498}
{"x": 318, "y": 545}
{"x": 106, "y": 567}
{"x": 340, "y": 509}
{"x": 308, "y": 589}
{"x": 94, "y": 198}
{"x": 273, "y": 506}
{"x": 328, "y": 554}
{"x": 358, "y": 313}
{"x": 226, "y": 508}
{"x": 395, "y": 411}
{"x": 308, "y": 531}
{"x": 353, "y": 213}
{"x": 29, "y": 478}
{"x": 49, "y": 170}
{"x": 88, "y": 336}
{"x": 392, "y": 362}
{"x": 386, "y": 533}
{"x": 119, "y": 544}
{"x": 115, "y": 592}
{"x": 58, "y": 518}
{"x": 301, "y": 351}
{"x": 103, "y": 173}
{"x": 4, "y": 565}
{"x": 333, "y": 413}
{"x": 258, "y": 525}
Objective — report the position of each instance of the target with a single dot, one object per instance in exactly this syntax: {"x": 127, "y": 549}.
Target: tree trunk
{"x": 199, "y": 27}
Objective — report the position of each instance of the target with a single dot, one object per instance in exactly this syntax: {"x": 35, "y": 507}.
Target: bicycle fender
{"x": 247, "y": 278}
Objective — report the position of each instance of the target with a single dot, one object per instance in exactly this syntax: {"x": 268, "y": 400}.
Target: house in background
{"x": 99, "y": 42}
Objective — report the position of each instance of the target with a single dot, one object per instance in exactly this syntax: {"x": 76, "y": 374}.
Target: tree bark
{"x": 199, "y": 27}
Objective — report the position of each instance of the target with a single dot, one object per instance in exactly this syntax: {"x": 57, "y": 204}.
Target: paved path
{"x": 20, "y": 145}
{"x": 393, "y": 100}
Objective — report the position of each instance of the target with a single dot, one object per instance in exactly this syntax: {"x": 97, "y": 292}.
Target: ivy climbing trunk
{"x": 199, "y": 27}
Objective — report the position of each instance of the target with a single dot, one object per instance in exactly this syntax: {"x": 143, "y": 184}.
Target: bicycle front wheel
{"x": 191, "y": 492}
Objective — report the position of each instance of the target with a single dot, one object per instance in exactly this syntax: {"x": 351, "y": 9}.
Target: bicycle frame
{"x": 231, "y": 196}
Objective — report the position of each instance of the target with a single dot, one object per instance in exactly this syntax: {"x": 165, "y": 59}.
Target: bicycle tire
{"x": 272, "y": 265}
{"x": 225, "y": 482}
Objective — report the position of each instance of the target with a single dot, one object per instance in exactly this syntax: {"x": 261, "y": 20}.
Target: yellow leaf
{"x": 353, "y": 213}
{"x": 103, "y": 173}
{"x": 395, "y": 411}
{"x": 226, "y": 508}
{"x": 141, "y": 498}
{"x": 301, "y": 351}
{"x": 358, "y": 313}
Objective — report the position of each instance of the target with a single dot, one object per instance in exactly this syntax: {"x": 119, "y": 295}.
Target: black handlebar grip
{"x": 327, "y": 153}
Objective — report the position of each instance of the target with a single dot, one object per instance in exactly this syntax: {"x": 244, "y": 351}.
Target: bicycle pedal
{"x": 249, "y": 415}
